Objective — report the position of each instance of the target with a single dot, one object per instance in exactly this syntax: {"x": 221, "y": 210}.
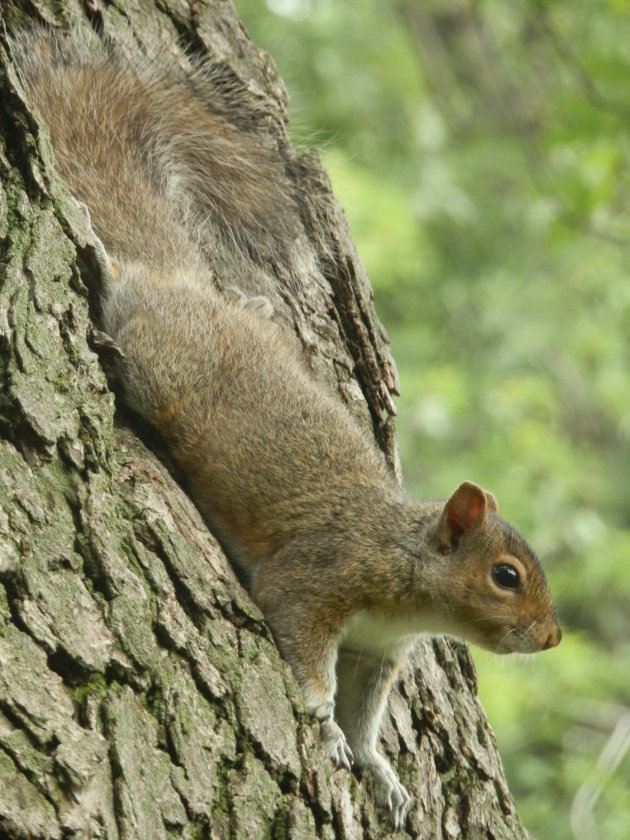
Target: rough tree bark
{"x": 141, "y": 694}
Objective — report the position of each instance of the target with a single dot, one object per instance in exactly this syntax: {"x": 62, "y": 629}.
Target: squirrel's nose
{"x": 553, "y": 639}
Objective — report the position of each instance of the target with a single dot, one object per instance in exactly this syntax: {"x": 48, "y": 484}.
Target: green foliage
{"x": 482, "y": 154}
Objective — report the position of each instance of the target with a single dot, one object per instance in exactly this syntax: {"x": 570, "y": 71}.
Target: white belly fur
{"x": 374, "y": 632}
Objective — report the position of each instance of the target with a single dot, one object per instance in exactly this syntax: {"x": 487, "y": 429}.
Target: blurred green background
{"x": 482, "y": 154}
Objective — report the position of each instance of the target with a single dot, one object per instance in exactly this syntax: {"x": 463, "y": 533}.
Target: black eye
{"x": 505, "y": 575}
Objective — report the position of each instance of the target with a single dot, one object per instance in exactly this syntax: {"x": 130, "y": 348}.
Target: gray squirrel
{"x": 345, "y": 567}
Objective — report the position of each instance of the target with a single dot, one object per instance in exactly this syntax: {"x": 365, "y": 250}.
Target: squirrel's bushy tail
{"x": 137, "y": 144}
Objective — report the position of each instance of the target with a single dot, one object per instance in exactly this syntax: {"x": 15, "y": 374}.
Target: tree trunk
{"x": 141, "y": 694}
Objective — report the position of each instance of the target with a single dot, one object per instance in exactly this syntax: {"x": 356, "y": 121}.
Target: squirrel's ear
{"x": 493, "y": 505}
{"x": 465, "y": 509}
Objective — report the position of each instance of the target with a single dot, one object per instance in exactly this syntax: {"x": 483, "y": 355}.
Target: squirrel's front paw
{"x": 398, "y": 802}
{"x": 388, "y": 791}
{"x": 335, "y": 743}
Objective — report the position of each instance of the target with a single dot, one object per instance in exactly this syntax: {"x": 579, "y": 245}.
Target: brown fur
{"x": 327, "y": 543}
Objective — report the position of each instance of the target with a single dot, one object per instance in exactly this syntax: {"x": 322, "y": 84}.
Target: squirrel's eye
{"x": 505, "y": 575}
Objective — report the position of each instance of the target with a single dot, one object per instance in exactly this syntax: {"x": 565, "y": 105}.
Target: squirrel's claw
{"x": 388, "y": 791}
{"x": 398, "y": 812}
{"x": 343, "y": 756}
{"x": 336, "y": 745}
{"x": 398, "y": 804}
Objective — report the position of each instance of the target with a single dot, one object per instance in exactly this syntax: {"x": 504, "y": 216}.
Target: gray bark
{"x": 141, "y": 694}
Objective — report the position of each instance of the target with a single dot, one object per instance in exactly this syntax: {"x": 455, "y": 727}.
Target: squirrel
{"x": 346, "y": 569}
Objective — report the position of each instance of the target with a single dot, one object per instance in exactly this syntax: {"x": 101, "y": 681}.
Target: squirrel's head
{"x": 497, "y": 593}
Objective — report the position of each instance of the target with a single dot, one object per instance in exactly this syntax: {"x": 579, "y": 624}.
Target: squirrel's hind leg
{"x": 258, "y": 304}
{"x": 106, "y": 269}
